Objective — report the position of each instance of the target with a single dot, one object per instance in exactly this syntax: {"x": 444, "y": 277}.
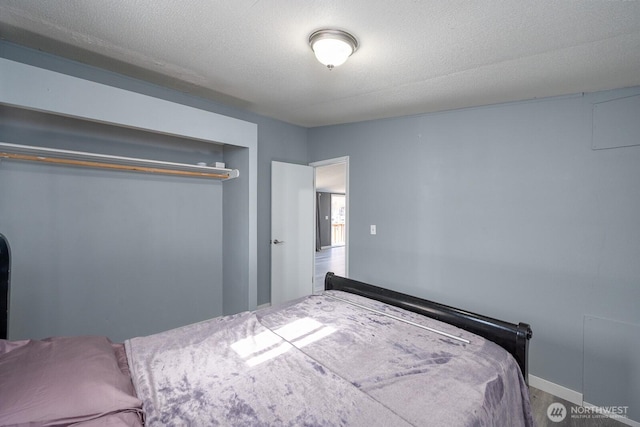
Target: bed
{"x": 356, "y": 354}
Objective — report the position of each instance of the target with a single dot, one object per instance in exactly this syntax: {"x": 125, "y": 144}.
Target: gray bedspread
{"x": 323, "y": 361}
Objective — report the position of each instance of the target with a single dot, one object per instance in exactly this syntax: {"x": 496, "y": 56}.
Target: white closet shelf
{"x": 106, "y": 161}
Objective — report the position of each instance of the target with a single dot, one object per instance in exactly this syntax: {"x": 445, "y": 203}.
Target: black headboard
{"x": 513, "y": 338}
{"x": 5, "y": 263}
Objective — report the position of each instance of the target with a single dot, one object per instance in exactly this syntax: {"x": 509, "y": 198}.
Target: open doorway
{"x": 331, "y": 183}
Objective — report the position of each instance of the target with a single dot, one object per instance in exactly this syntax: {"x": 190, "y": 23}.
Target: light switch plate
{"x": 373, "y": 229}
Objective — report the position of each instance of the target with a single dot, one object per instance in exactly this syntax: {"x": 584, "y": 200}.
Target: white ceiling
{"x": 332, "y": 178}
{"x": 414, "y": 56}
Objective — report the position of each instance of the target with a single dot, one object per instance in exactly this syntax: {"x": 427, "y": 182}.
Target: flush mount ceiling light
{"x": 332, "y": 47}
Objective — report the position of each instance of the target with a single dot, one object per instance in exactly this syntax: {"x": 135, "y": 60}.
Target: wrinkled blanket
{"x": 322, "y": 361}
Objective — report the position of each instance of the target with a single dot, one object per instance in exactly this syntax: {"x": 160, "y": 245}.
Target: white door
{"x": 292, "y": 231}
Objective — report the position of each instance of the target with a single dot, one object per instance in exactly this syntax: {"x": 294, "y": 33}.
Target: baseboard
{"x": 570, "y": 396}
{"x": 265, "y": 305}
{"x": 623, "y": 420}
{"x": 556, "y": 389}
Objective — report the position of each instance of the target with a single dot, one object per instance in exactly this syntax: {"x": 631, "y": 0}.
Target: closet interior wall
{"x": 108, "y": 252}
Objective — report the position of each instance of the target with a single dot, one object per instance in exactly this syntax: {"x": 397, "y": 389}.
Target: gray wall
{"x": 505, "y": 210}
{"x": 94, "y": 252}
{"x": 235, "y": 234}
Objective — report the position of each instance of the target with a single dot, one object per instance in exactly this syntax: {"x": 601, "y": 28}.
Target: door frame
{"x": 328, "y": 162}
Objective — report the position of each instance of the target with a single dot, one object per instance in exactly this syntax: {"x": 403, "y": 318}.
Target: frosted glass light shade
{"x": 332, "y": 47}
{"x": 332, "y": 52}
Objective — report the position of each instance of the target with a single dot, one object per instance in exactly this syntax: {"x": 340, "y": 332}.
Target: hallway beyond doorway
{"x": 329, "y": 259}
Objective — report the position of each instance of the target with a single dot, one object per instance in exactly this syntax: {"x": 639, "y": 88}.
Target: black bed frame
{"x": 4, "y": 287}
{"x": 513, "y": 338}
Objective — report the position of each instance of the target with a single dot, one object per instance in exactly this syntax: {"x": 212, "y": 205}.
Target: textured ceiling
{"x": 414, "y": 56}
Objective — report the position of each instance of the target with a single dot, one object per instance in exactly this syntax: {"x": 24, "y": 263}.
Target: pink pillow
{"x": 7, "y": 346}
{"x": 63, "y": 380}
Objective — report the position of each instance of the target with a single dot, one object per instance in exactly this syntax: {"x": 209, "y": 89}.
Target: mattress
{"x": 329, "y": 359}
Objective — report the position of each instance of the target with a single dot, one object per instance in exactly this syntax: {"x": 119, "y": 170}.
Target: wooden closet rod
{"x": 197, "y": 171}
